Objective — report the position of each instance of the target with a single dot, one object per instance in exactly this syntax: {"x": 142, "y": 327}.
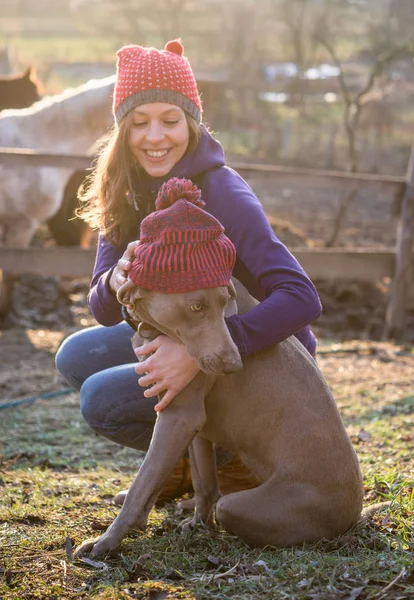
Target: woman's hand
{"x": 170, "y": 368}
{"x": 119, "y": 275}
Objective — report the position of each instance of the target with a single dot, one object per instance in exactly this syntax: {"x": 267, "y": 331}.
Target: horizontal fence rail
{"x": 316, "y": 178}
{"x": 350, "y": 263}
{"x": 25, "y": 157}
{"x": 287, "y": 176}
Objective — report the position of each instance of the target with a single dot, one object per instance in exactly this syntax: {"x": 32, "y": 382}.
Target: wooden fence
{"x": 357, "y": 264}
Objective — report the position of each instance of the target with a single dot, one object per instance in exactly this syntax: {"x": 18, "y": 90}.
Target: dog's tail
{"x": 370, "y": 511}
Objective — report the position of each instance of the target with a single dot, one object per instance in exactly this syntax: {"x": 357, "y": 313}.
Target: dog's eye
{"x": 196, "y": 307}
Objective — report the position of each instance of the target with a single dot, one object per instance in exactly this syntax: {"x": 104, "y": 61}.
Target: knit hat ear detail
{"x": 145, "y": 75}
{"x": 175, "y": 46}
{"x": 178, "y": 189}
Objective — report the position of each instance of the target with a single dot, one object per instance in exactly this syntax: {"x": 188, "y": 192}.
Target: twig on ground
{"x": 218, "y": 576}
{"x": 65, "y": 573}
{"x": 383, "y": 592}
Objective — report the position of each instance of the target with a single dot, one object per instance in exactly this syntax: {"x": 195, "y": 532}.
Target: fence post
{"x": 403, "y": 275}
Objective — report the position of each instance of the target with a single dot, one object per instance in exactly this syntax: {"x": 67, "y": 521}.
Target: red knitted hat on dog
{"x": 150, "y": 75}
{"x": 182, "y": 247}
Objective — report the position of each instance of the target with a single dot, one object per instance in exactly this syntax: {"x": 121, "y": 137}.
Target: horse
{"x": 65, "y": 227}
{"x": 70, "y": 122}
{"x": 67, "y": 123}
{"x": 20, "y": 90}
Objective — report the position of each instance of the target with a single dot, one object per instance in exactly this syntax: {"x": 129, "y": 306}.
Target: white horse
{"x": 70, "y": 122}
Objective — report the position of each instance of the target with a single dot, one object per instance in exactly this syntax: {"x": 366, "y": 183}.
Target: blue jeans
{"x": 99, "y": 361}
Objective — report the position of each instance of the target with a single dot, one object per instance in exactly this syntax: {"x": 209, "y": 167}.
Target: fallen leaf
{"x": 355, "y": 593}
{"x": 98, "y": 526}
{"x": 96, "y": 564}
{"x": 363, "y": 435}
{"x": 261, "y": 563}
{"x": 68, "y": 546}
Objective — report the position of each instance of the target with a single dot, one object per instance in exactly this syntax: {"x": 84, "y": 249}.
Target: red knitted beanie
{"x": 150, "y": 75}
{"x": 182, "y": 247}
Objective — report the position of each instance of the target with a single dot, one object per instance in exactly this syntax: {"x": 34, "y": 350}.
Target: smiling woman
{"x": 159, "y": 136}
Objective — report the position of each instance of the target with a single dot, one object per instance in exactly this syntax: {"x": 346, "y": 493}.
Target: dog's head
{"x": 194, "y": 318}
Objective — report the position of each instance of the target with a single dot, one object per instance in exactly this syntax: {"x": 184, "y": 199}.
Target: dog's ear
{"x": 231, "y": 308}
{"x": 129, "y": 293}
{"x": 232, "y": 290}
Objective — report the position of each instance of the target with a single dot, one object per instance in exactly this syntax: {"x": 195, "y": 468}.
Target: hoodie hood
{"x": 207, "y": 155}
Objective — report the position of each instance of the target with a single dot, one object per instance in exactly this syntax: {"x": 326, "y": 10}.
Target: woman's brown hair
{"x": 105, "y": 192}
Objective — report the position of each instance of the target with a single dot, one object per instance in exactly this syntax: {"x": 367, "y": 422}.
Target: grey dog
{"x": 274, "y": 410}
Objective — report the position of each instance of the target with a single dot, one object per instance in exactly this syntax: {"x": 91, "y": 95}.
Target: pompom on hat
{"x": 146, "y": 75}
{"x": 182, "y": 247}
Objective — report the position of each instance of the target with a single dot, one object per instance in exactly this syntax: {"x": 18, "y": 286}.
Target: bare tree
{"x": 145, "y": 22}
{"x": 297, "y": 17}
{"x": 383, "y": 49}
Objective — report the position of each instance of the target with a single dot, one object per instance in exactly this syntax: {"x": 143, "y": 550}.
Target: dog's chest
{"x": 218, "y": 428}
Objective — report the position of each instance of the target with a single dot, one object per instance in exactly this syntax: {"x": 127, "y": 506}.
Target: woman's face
{"x": 158, "y": 137}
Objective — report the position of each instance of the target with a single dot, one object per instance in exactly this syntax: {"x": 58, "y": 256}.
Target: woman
{"x": 159, "y": 135}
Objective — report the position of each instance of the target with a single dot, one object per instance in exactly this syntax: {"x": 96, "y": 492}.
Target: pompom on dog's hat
{"x": 146, "y": 75}
{"x": 182, "y": 247}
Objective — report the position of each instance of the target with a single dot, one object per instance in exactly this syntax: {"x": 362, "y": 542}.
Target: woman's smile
{"x": 156, "y": 156}
{"x": 156, "y": 153}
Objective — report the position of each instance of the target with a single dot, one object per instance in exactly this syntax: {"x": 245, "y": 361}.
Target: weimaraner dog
{"x": 274, "y": 410}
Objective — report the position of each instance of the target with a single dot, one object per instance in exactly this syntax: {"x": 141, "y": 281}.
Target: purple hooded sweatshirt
{"x": 288, "y": 299}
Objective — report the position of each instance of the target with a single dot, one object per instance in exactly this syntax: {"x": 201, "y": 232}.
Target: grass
{"x": 57, "y": 480}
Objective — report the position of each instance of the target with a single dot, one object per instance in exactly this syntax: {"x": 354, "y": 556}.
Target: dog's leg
{"x": 205, "y": 483}
{"x": 174, "y": 430}
{"x": 281, "y": 513}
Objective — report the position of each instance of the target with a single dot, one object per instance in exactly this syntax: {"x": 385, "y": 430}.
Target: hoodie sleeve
{"x": 103, "y": 304}
{"x": 288, "y": 299}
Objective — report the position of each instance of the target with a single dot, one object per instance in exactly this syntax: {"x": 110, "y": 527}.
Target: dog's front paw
{"x": 85, "y": 547}
{"x": 187, "y": 525}
{"x": 196, "y": 521}
{"x": 96, "y": 547}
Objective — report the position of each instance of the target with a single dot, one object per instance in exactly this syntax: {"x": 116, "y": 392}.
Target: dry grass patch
{"x": 57, "y": 481}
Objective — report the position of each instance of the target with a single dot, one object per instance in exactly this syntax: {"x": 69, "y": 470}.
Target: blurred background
{"x": 318, "y": 83}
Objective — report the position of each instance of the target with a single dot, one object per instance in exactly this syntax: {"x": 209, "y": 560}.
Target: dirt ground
{"x": 27, "y": 357}
{"x": 58, "y": 480}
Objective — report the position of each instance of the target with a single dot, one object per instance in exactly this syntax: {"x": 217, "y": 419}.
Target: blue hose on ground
{"x": 43, "y": 396}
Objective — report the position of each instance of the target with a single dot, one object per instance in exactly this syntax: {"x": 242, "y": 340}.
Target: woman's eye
{"x": 139, "y": 124}
{"x": 171, "y": 122}
{"x": 196, "y": 307}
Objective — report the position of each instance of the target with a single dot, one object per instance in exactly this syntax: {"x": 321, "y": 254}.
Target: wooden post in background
{"x": 403, "y": 275}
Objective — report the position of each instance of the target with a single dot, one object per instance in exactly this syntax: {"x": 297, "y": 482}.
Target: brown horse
{"x": 19, "y": 91}
{"x": 66, "y": 229}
